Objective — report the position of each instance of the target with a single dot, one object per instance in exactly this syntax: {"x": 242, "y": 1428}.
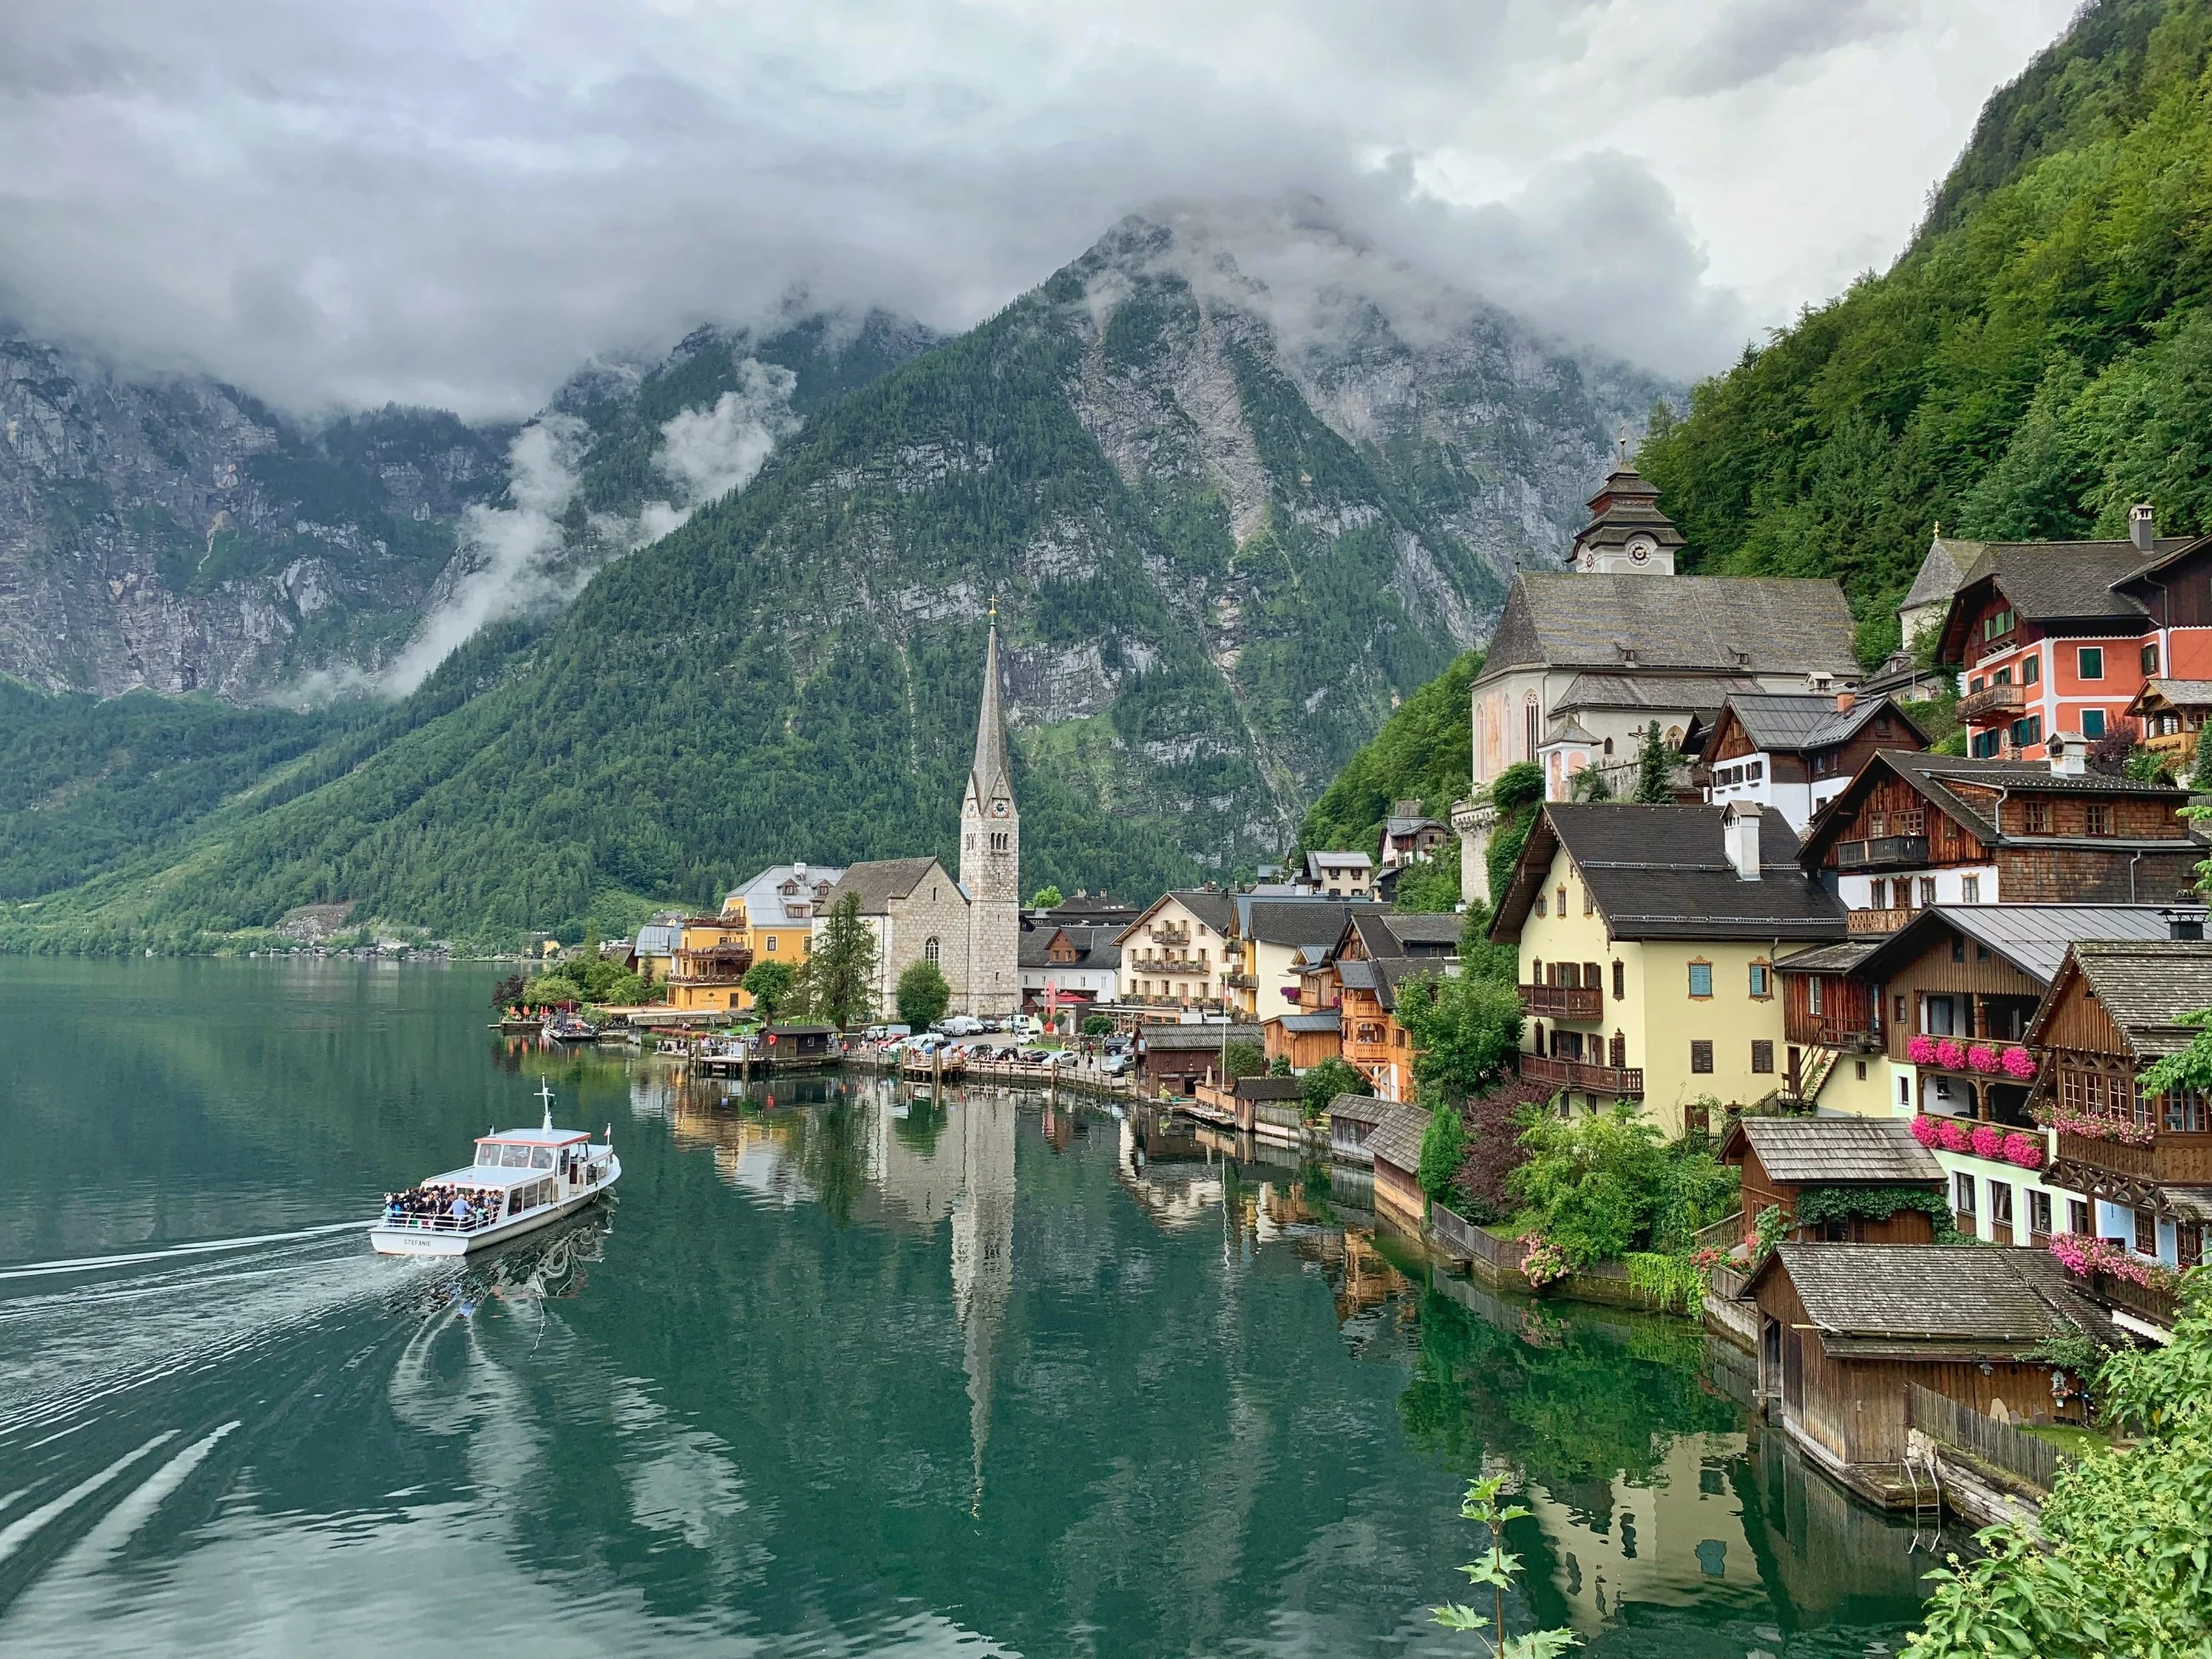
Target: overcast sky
{"x": 454, "y": 202}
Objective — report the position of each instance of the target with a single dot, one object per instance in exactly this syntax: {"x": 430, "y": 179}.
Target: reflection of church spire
{"x": 983, "y": 1253}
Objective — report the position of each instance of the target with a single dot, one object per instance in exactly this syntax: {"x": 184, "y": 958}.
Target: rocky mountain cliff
{"x": 1236, "y": 487}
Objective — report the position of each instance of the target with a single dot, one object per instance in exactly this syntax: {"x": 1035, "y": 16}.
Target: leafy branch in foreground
{"x": 1495, "y": 1569}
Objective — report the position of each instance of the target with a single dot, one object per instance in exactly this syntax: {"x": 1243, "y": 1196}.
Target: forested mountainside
{"x": 1424, "y": 752}
{"x": 171, "y": 531}
{"x": 2038, "y": 358}
{"x": 1220, "y": 548}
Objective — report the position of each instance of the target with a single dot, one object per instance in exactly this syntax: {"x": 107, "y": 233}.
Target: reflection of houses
{"x": 2115, "y": 1009}
{"x": 1844, "y": 1328}
{"x": 1782, "y": 1159}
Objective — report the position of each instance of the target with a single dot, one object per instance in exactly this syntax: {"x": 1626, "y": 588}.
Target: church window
{"x": 1529, "y": 726}
{"x": 931, "y": 952}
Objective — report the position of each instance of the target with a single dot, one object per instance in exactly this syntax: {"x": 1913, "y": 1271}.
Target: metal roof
{"x": 1325, "y": 1019}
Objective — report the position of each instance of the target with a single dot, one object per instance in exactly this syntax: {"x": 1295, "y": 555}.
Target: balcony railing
{"x": 2180, "y": 1160}
{"x": 1622, "y": 1082}
{"x": 1883, "y": 852}
{"x": 1170, "y": 935}
{"x": 2155, "y": 1307}
{"x": 1240, "y": 981}
{"x": 1845, "y": 1031}
{"x": 1992, "y": 703}
{"x": 1562, "y": 1002}
{"x": 1173, "y": 965}
{"x": 1876, "y": 921}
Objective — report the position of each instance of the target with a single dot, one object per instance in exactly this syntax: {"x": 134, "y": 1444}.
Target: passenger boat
{"x": 522, "y": 1180}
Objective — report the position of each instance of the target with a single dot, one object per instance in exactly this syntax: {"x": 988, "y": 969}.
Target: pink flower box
{"x": 2018, "y": 1063}
{"x": 1982, "y": 1058}
{"x": 1954, "y": 1136}
{"x": 1921, "y": 1051}
{"x": 1987, "y": 1140}
{"x": 1949, "y": 1054}
{"x": 1926, "y": 1131}
{"x": 2025, "y": 1151}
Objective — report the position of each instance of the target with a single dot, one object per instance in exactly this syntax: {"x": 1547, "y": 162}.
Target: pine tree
{"x": 1655, "y": 768}
{"x": 2200, "y": 775}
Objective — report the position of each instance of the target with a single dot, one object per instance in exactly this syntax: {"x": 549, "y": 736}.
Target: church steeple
{"x": 991, "y": 854}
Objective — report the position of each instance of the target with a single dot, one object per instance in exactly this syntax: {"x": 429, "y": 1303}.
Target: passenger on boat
{"x": 461, "y": 1209}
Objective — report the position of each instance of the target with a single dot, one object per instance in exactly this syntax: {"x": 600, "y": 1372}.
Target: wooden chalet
{"x": 1305, "y": 1038}
{"x": 2114, "y": 1010}
{"x": 1783, "y": 1159}
{"x": 1175, "y": 1058}
{"x": 2169, "y": 717}
{"x": 1843, "y": 1329}
{"x": 1352, "y": 1119}
{"x": 1829, "y": 1015}
{"x": 1795, "y": 751}
{"x": 1912, "y": 831}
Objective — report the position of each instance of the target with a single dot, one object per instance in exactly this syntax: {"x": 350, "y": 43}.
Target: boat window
{"x": 514, "y": 1157}
{"x": 541, "y": 1158}
{"x": 488, "y": 1156}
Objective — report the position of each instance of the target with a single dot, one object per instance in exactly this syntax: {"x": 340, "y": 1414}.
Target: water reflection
{"x": 846, "y": 1369}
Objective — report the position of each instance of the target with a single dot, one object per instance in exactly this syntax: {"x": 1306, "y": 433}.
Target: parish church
{"x": 969, "y": 926}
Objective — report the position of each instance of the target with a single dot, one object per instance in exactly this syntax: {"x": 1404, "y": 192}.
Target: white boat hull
{"x": 430, "y": 1240}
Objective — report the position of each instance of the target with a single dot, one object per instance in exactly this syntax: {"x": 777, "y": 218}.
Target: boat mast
{"x": 545, "y": 1094}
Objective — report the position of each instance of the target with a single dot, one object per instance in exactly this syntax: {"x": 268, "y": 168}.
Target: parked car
{"x": 960, "y": 1026}
{"x": 1039, "y": 1057}
{"x": 1114, "y": 1064}
{"x": 885, "y": 1033}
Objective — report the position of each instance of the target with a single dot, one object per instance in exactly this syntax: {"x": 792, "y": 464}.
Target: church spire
{"x": 990, "y": 770}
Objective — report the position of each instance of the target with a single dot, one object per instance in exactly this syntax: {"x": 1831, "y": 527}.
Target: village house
{"x": 1648, "y": 938}
{"x": 2168, "y": 716}
{"x": 1795, "y": 1164}
{"x": 1068, "y": 965}
{"x": 780, "y": 905}
{"x": 2053, "y": 637}
{"x": 712, "y": 955}
{"x": 1175, "y": 1060}
{"x": 1846, "y": 1330}
{"x": 1795, "y": 752}
{"x": 1277, "y": 941}
{"x": 653, "y": 950}
{"x": 1341, "y": 875}
{"x": 1178, "y": 952}
{"x": 2115, "y": 1009}
{"x": 1915, "y": 829}
{"x": 1348, "y": 994}
{"x": 1410, "y": 834}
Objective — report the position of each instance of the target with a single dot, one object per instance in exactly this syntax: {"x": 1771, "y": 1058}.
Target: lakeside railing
{"x": 1999, "y": 1445}
{"x": 1464, "y": 1238}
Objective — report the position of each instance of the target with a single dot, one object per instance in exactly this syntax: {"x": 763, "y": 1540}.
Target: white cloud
{"x": 705, "y": 453}
{"x": 455, "y": 204}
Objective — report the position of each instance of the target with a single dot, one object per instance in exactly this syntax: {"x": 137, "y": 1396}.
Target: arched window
{"x": 930, "y": 951}
{"x": 1530, "y": 732}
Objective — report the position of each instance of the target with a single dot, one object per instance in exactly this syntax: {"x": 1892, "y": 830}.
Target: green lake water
{"x": 836, "y": 1373}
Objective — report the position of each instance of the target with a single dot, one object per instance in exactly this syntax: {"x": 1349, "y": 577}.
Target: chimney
{"x": 1739, "y": 834}
{"x": 799, "y": 873}
{"x": 2069, "y": 755}
{"x": 2184, "y": 924}
{"x": 1845, "y": 701}
{"x": 2143, "y": 529}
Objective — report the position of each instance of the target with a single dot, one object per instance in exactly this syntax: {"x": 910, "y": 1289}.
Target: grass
{"x": 2070, "y": 1438}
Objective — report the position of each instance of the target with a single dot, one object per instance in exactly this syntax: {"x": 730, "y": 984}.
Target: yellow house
{"x": 1648, "y": 937}
{"x": 780, "y": 904}
{"x": 712, "y": 955}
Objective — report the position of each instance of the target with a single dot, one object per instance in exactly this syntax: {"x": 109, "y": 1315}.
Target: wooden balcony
{"x": 1621, "y": 1082}
{"x": 1876, "y": 921}
{"x": 2171, "y": 1160}
{"x": 1849, "y": 1032}
{"x": 2151, "y": 1306}
{"x": 1992, "y": 703}
{"x": 1585, "y": 1002}
{"x": 1883, "y": 852}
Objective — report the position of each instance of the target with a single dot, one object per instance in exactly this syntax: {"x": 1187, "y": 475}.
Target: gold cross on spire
{"x": 995, "y": 607}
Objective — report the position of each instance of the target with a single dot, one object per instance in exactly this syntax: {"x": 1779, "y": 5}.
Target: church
{"x": 971, "y": 927}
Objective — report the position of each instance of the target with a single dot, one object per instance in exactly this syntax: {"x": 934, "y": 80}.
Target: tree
{"x": 2200, "y": 773}
{"x": 1590, "y": 785}
{"x": 1465, "y": 1028}
{"x": 923, "y": 993}
{"x": 2121, "y": 1566}
{"x": 1517, "y": 793}
{"x": 1325, "y": 1082}
{"x": 1098, "y": 1025}
{"x": 1243, "y": 1058}
{"x": 1443, "y": 1144}
{"x": 769, "y": 984}
{"x": 1600, "y": 1186}
{"x": 1429, "y": 886}
{"x": 1655, "y": 768}
{"x": 2110, "y": 753}
{"x": 840, "y": 974}
{"x": 1045, "y": 897}
{"x": 1280, "y": 1066}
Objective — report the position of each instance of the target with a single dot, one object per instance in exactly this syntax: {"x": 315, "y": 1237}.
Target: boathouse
{"x": 1394, "y": 1145}
{"x": 1859, "y": 1180}
{"x": 1845, "y": 1328}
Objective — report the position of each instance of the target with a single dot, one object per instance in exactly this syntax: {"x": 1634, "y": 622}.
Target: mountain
{"x": 1227, "y": 523}
{"x": 2038, "y": 359}
{"x": 1424, "y": 752}
{"x": 170, "y": 531}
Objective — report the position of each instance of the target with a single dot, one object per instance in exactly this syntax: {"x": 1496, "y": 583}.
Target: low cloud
{"x": 705, "y": 453}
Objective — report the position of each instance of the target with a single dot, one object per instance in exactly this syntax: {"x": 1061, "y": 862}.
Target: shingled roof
{"x": 1725, "y": 624}
{"x": 1663, "y": 872}
{"x": 1836, "y": 1151}
{"x": 1397, "y": 1139}
{"x": 881, "y": 880}
{"x": 1315, "y": 921}
{"x": 1953, "y": 782}
{"x": 1656, "y": 693}
{"x": 1933, "y": 1301}
{"x": 1187, "y": 1037}
{"x": 2145, "y": 985}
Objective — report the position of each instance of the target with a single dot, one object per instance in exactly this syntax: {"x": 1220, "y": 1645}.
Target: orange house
{"x": 712, "y": 954}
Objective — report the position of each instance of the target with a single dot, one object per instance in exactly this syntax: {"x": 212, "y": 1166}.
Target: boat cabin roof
{"x": 486, "y": 1174}
{"x": 533, "y": 1136}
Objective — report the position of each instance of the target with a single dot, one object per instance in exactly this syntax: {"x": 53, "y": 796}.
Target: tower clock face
{"x": 998, "y": 809}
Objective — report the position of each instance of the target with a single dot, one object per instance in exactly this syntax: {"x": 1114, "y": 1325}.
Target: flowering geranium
{"x": 1921, "y": 1051}
{"x": 1982, "y": 1058}
{"x": 1987, "y": 1140}
{"x": 1952, "y": 1135}
{"x": 2017, "y": 1063}
{"x": 1542, "y": 1261}
{"x": 2025, "y": 1151}
{"x": 2079, "y": 1254}
{"x": 2124, "y": 1130}
{"x": 1927, "y": 1131}
{"x": 1949, "y": 1054}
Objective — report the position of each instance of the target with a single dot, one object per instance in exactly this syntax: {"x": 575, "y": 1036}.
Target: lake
{"x": 837, "y": 1372}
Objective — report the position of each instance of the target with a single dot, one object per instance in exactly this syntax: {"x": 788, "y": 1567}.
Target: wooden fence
{"x": 1727, "y": 1232}
{"x": 2034, "y": 1460}
{"x": 1464, "y": 1238}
